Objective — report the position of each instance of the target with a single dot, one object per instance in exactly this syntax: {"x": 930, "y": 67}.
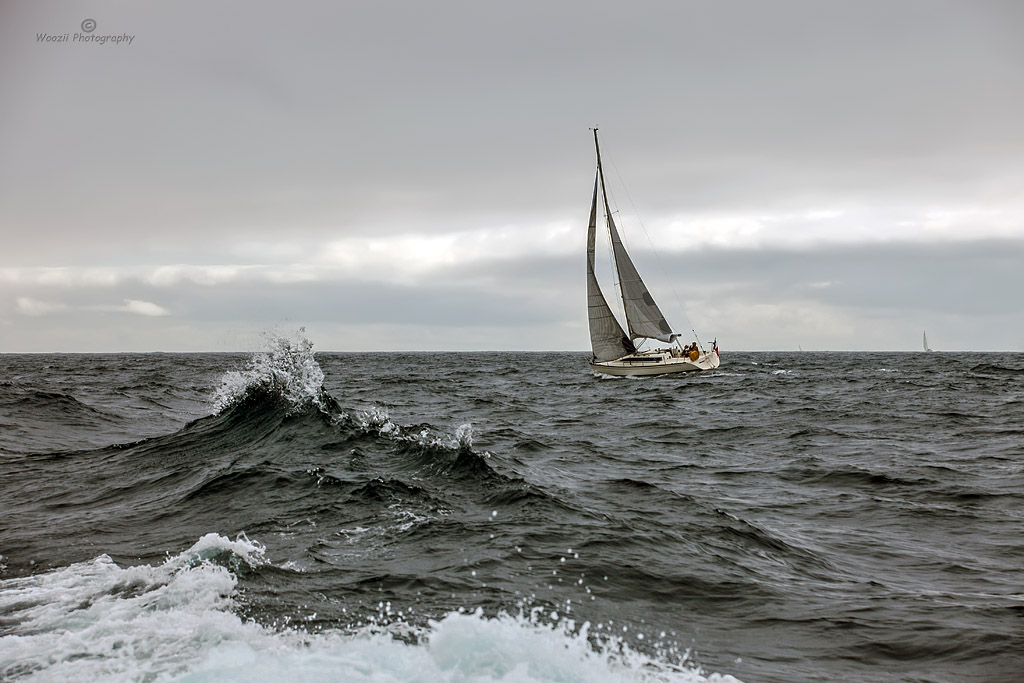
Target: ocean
{"x": 309, "y": 516}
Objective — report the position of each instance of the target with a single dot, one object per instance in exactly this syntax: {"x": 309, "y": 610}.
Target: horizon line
{"x": 559, "y": 351}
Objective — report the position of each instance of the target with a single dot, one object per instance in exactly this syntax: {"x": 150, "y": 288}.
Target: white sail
{"x": 924, "y": 340}
{"x": 643, "y": 317}
{"x": 607, "y": 339}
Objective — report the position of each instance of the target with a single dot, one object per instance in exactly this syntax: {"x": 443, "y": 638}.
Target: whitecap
{"x": 377, "y": 419}
{"x": 287, "y": 368}
{"x": 174, "y": 622}
{"x": 98, "y": 621}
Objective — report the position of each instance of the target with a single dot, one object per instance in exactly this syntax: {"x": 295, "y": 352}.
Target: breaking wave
{"x": 175, "y": 621}
{"x": 288, "y": 369}
{"x": 378, "y": 420}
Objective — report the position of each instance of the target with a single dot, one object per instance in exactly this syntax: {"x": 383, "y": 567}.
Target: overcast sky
{"x": 417, "y": 175}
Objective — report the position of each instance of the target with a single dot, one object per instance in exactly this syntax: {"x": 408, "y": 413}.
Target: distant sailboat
{"x": 614, "y": 350}
{"x": 924, "y": 341}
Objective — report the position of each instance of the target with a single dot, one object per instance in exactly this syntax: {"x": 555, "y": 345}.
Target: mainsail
{"x": 606, "y": 336}
{"x": 643, "y": 317}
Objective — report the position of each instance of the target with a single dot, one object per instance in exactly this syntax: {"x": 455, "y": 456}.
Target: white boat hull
{"x": 654, "y": 363}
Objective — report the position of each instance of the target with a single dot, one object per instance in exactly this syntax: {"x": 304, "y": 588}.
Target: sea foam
{"x": 98, "y": 621}
{"x": 288, "y": 368}
{"x": 174, "y": 622}
{"x": 377, "y": 419}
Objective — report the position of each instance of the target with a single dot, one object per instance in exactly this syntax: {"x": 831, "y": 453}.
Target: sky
{"x": 417, "y": 176}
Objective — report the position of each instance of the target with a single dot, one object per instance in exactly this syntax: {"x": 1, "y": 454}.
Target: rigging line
{"x": 661, "y": 264}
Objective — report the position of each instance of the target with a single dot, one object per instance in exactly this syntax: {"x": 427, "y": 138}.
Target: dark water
{"x": 510, "y": 516}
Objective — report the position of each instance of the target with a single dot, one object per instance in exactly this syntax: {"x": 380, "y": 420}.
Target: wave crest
{"x": 214, "y": 549}
{"x": 377, "y": 419}
{"x": 288, "y": 369}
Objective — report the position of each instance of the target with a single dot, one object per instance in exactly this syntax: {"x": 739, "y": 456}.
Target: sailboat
{"x": 614, "y": 351}
{"x": 924, "y": 340}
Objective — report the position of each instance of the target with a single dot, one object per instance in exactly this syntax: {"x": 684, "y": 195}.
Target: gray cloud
{"x": 860, "y": 297}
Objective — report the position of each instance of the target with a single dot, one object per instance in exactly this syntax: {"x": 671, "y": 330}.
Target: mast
{"x": 607, "y": 339}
